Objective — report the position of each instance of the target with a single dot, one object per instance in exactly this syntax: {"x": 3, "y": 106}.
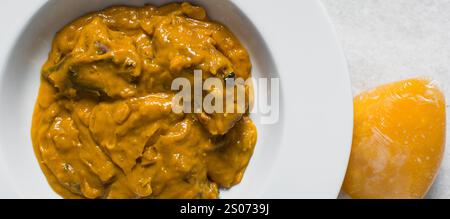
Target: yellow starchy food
{"x": 103, "y": 125}
{"x": 398, "y": 140}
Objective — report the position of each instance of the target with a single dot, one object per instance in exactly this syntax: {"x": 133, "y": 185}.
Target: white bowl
{"x": 303, "y": 155}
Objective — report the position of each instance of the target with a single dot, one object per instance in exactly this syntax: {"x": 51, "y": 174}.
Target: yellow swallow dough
{"x": 398, "y": 140}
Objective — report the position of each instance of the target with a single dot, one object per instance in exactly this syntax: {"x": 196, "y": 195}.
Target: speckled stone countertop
{"x": 389, "y": 40}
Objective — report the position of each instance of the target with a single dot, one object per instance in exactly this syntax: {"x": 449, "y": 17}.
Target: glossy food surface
{"x": 103, "y": 125}
{"x": 398, "y": 140}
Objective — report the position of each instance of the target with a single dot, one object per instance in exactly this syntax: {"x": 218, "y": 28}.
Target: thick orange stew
{"x": 103, "y": 125}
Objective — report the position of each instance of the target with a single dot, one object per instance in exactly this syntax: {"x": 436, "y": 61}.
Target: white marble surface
{"x": 389, "y": 40}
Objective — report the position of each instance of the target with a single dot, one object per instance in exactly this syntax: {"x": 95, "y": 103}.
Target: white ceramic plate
{"x": 304, "y": 155}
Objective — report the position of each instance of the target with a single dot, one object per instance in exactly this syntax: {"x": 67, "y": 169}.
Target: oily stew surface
{"x": 103, "y": 125}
